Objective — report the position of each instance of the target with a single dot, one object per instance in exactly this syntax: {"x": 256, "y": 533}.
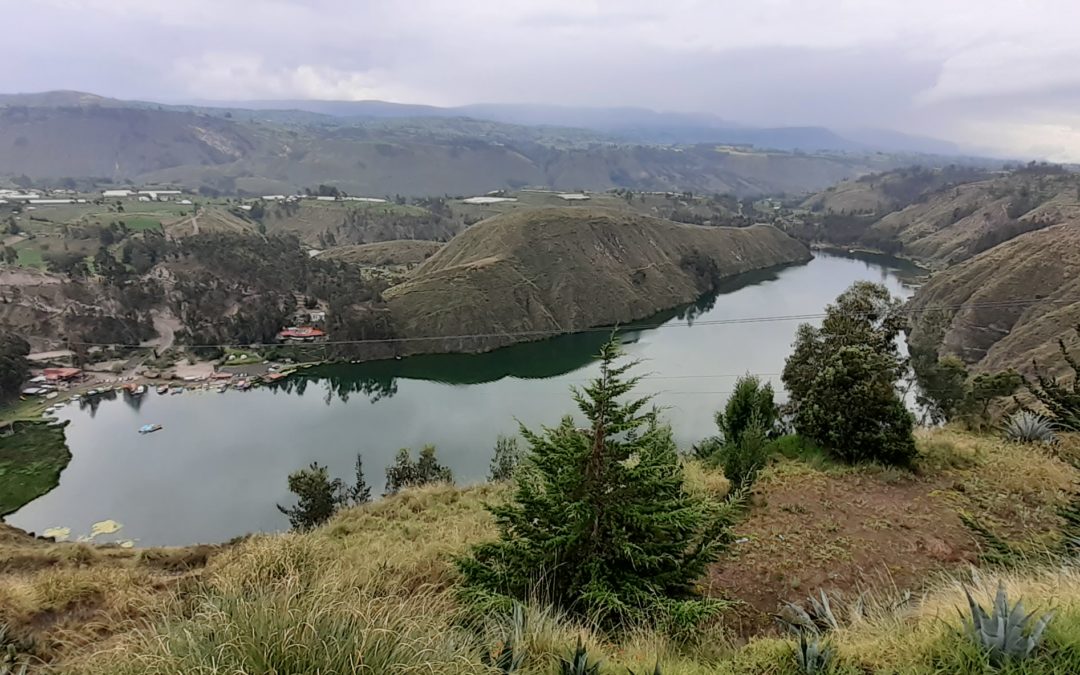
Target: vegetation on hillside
{"x": 600, "y": 523}
{"x": 32, "y": 456}
{"x": 498, "y": 279}
{"x": 377, "y": 585}
{"x": 14, "y": 367}
{"x": 319, "y": 497}
{"x": 842, "y": 379}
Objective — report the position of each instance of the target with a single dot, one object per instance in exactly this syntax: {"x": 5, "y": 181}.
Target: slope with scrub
{"x": 550, "y": 271}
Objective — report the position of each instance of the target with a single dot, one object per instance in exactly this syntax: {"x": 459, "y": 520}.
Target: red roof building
{"x": 302, "y": 333}
{"x": 61, "y": 374}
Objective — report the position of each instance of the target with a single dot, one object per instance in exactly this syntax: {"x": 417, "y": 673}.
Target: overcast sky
{"x": 999, "y": 75}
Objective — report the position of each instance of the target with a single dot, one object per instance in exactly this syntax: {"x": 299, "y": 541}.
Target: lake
{"x": 219, "y": 466}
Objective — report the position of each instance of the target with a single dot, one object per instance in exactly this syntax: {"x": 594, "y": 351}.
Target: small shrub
{"x": 1024, "y": 426}
{"x": 1059, "y": 396}
{"x": 744, "y": 458}
{"x": 707, "y": 449}
{"x": 404, "y": 472}
{"x": 751, "y": 404}
{"x": 505, "y": 460}
{"x": 318, "y": 497}
{"x": 1004, "y": 633}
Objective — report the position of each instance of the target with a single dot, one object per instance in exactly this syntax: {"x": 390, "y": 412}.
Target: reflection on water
{"x": 218, "y": 466}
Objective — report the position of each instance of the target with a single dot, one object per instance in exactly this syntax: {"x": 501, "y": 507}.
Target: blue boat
{"x": 149, "y": 428}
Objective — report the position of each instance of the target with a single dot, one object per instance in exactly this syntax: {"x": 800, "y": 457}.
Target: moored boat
{"x": 149, "y": 428}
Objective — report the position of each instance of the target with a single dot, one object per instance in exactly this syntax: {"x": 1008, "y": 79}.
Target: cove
{"x": 219, "y": 466}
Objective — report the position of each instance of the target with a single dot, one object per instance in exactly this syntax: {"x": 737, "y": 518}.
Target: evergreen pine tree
{"x": 601, "y": 523}
{"x": 359, "y": 492}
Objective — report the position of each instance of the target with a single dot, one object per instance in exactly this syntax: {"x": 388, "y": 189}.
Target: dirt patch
{"x": 808, "y": 530}
{"x": 200, "y": 370}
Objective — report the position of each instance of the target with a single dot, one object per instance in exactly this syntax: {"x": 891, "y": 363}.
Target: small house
{"x": 301, "y": 334}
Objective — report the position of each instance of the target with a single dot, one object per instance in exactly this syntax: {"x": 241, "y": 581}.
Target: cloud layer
{"x": 999, "y": 75}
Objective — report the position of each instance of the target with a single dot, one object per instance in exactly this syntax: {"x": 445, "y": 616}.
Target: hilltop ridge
{"x": 560, "y": 270}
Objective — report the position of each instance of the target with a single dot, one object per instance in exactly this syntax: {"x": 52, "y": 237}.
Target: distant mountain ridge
{"x": 629, "y": 124}
{"x": 58, "y": 136}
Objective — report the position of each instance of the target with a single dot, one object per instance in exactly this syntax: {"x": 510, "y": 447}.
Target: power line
{"x": 598, "y": 329}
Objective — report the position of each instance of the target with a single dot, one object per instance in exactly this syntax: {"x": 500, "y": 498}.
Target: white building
{"x": 573, "y": 196}
{"x": 52, "y": 201}
{"x": 117, "y": 193}
{"x": 487, "y": 200}
{"x": 159, "y": 195}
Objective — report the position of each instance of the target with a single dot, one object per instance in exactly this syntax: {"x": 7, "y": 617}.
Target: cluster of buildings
{"x": 147, "y": 195}
{"x": 51, "y": 379}
{"x": 43, "y": 197}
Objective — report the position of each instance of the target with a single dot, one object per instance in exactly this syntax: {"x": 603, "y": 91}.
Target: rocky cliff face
{"x": 528, "y": 274}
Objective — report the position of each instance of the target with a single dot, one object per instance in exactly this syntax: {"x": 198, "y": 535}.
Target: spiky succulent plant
{"x": 1024, "y": 426}
{"x": 812, "y": 655}
{"x": 511, "y": 654}
{"x": 1006, "y": 632}
{"x": 815, "y": 616}
{"x": 578, "y": 663}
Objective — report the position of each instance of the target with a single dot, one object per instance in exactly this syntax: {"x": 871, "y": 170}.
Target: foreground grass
{"x": 374, "y": 590}
{"x": 31, "y": 460}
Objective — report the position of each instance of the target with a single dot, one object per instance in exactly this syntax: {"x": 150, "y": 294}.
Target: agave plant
{"x": 655, "y": 671}
{"x": 511, "y": 654}
{"x": 9, "y": 655}
{"x": 812, "y": 655}
{"x": 816, "y": 616}
{"x": 1024, "y": 426}
{"x": 1004, "y": 633}
{"x": 578, "y": 664}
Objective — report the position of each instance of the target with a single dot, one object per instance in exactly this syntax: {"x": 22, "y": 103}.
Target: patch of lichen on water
{"x": 32, "y": 456}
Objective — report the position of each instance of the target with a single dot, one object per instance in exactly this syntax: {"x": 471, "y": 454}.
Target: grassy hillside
{"x": 375, "y": 588}
{"x": 1040, "y": 269}
{"x": 994, "y": 238}
{"x": 79, "y": 136}
{"x": 405, "y": 252}
{"x": 114, "y": 143}
{"x": 944, "y": 217}
{"x": 883, "y": 193}
{"x": 560, "y": 270}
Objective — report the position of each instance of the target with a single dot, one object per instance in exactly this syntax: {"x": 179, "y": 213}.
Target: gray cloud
{"x": 994, "y": 74}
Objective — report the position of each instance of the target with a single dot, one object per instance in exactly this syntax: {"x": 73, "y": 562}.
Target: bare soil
{"x": 839, "y": 533}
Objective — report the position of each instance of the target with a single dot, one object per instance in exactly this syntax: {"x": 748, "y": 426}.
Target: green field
{"x": 139, "y": 222}
{"x": 31, "y": 460}
{"x": 29, "y": 255}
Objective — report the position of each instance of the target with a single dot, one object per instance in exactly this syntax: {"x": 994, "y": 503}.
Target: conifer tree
{"x": 601, "y": 523}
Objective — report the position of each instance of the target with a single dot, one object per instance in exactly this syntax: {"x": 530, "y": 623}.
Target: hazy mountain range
{"x": 375, "y": 147}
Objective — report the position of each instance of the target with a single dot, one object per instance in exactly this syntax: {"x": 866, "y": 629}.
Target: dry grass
{"x": 374, "y": 590}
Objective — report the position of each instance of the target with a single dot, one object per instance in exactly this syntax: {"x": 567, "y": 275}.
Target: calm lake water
{"x": 218, "y": 467}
